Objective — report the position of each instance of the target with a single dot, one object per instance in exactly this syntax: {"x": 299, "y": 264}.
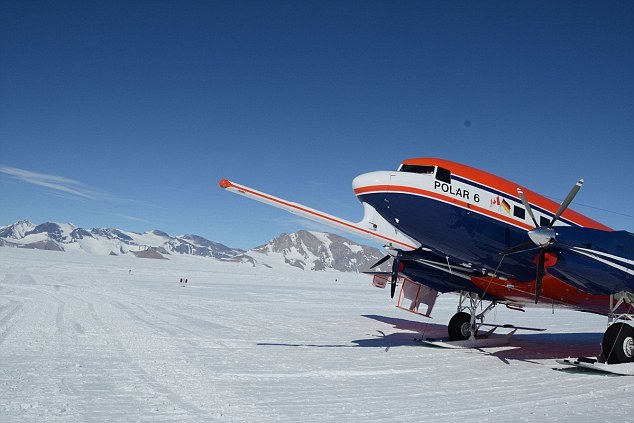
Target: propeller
{"x": 540, "y": 274}
{"x": 380, "y": 262}
{"x": 542, "y": 236}
{"x": 395, "y": 269}
{"x": 395, "y": 264}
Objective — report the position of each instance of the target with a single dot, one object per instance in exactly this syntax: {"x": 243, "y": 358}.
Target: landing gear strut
{"x": 465, "y": 323}
{"x": 618, "y": 340}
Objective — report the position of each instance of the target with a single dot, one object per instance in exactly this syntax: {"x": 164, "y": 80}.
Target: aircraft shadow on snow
{"x": 523, "y": 346}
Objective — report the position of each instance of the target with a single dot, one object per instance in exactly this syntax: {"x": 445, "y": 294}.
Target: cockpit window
{"x": 416, "y": 168}
{"x": 443, "y": 175}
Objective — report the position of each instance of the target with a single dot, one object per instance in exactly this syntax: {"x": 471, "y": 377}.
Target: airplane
{"x": 449, "y": 227}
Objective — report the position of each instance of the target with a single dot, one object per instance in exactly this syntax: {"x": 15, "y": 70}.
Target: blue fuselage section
{"x": 473, "y": 235}
{"x": 462, "y": 235}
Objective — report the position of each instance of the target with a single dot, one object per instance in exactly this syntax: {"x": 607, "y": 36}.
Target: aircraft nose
{"x": 371, "y": 179}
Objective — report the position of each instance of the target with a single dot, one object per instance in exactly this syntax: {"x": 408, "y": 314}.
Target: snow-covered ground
{"x": 105, "y": 338}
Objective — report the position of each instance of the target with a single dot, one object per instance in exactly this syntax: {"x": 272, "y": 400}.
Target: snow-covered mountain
{"x": 108, "y": 241}
{"x": 304, "y": 250}
{"x": 309, "y": 250}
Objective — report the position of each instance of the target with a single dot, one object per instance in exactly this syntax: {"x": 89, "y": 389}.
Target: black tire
{"x": 618, "y": 344}
{"x": 459, "y": 327}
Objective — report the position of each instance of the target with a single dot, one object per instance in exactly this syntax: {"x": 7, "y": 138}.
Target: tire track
{"x": 61, "y": 304}
{"x": 166, "y": 327}
{"x": 59, "y": 318}
{"x": 8, "y": 317}
{"x": 138, "y": 372}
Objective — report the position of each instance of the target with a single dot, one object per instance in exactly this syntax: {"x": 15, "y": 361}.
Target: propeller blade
{"x": 540, "y": 274}
{"x": 564, "y": 205}
{"x": 523, "y": 246}
{"x": 380, "y": 262}
{"x": 395, "y": 264}
{"x": 527, "y": 206}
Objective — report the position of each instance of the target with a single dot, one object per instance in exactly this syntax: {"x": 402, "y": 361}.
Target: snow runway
{"x": 84, "y": 339}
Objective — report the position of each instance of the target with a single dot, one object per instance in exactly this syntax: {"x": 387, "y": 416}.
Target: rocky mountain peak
{"x": 320, "y": 251}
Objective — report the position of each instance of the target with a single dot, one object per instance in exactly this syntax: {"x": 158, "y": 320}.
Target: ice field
{"x": 114, "y": 338}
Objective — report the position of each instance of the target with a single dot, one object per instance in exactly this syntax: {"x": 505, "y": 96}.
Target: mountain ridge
{"x": 305, "y": 250}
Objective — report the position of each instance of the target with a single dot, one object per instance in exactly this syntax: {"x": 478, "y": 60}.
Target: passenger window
{"x": 519, "y": 212}
{"x": 443, "y": 175}
{"x": 544, "y": 221}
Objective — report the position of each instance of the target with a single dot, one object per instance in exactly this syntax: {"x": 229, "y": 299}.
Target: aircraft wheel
{"x": 618, "y": 343}
{"x": 459, "y": 327}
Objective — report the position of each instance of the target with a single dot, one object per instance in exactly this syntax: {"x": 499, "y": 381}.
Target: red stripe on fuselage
{"x": 509, "y": 188}
{"x": 437, "y": 196}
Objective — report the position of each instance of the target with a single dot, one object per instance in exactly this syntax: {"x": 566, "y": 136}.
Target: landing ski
{"x": 624, "y": 369}
{"x": 482, "y": 340}
{"x": 487, "y": 342}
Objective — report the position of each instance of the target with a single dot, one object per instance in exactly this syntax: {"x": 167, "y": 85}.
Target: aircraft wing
{"x": 373, "y": 226}
{"x": 598, "y": 262}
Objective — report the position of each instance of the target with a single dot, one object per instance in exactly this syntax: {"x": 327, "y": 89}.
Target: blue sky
{"x": 126, "y": 114}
